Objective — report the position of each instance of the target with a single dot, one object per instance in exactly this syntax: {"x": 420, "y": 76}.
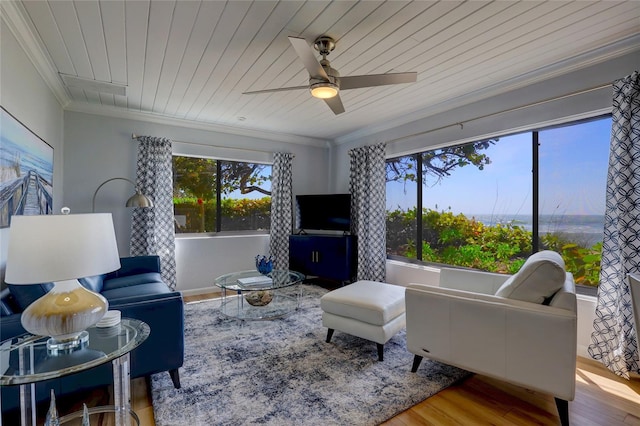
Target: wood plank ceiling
{"x": 192, "y": 60}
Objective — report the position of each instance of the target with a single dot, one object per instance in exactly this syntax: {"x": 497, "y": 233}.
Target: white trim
{"x": 222, "y": 234}
{"x": 198, "y": 150}
{"x": 586, "y": 298}
{"x": 413, "y": 265}
{"x": 150, "y": 117}
{"x": 197, "y": 292}
{"x": 30, "y": 43}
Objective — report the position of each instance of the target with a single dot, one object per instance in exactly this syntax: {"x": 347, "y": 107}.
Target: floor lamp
{"x": 136, "y": 200}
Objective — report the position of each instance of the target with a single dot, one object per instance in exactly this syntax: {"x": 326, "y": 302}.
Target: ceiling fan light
{"x": 324, "y": 90}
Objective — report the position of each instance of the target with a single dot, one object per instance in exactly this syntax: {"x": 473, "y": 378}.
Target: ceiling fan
{"x": 325, "y": 82}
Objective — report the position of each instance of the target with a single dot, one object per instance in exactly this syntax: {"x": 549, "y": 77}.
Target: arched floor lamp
{"x": 136, "y": 200}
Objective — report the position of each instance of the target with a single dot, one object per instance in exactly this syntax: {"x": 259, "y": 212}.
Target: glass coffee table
{"x": 25, "y": 360}
{"x": 250, "y": 295}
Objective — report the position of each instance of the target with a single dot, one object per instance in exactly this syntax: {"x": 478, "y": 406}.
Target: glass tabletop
{"x": 254, "y": 280}
{"x": 25, "y": 359}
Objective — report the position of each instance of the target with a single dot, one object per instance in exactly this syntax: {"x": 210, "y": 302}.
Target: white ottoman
{"x": 367, "y": 309}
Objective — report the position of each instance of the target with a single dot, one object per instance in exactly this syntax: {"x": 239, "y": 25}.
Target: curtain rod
{"x": 135, "y": 137}
{"x": 529, "y": 105}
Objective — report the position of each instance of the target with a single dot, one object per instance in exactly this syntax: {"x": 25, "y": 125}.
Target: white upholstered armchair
{"x": 521, "y": 329}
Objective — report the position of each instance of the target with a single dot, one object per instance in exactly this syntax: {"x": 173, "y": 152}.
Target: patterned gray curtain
{"x": 367, "y": 185}
{"x": 613, "y": 337}
{"x": 152, "y": 229}
{"x": 281, "y": 211}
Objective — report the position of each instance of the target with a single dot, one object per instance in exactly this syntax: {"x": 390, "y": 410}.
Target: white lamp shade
{"x": 49, "y": 248}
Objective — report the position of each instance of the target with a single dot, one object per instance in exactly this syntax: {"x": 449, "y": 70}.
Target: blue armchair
{"x": 137, "y": 290}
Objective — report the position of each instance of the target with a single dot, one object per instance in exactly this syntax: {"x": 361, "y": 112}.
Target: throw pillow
{"x": 539, "y": 278}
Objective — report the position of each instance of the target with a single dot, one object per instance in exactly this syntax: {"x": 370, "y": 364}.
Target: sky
{"x": 573, "y": 169}
{"x": 254, "y": 195}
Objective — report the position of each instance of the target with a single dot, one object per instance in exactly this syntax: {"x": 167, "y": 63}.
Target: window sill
{"x": 586, "y": 298}
{"x": 583, "y": 292}
{"x": 225, "y": 234}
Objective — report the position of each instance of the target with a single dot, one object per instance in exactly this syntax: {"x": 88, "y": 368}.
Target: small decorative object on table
{"x": 109, "y": 319}
{"x": 264, "y": 264}
{"x": 52, "y": 418}
{"x": 259, "y": 298}
{"x": 85, "y": 415}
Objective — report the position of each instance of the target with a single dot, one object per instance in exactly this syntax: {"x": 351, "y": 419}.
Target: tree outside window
{"x": 217, "y": 195}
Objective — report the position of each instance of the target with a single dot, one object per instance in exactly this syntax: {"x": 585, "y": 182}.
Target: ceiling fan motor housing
{"x": 324, "y": 45}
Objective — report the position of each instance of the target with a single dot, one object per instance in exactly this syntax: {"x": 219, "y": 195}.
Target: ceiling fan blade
{"x": 335, "y": 104}
{"x": 281, "y": 89}
{"x": 359, "y": 81}
{"x": 305, "y": 52}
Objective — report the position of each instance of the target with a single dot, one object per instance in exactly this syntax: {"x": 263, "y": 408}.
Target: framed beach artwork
{"x": 26, "y": 171}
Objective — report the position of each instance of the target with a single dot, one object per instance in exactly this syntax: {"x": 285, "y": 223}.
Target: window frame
{"x": 580, "y": 289}
{"x": 219, "y": 232}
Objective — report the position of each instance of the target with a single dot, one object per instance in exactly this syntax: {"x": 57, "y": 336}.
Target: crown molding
{"x": 594, "y": 57}
{"x": 13, "y": 14}
{"x": 124, "y": 113}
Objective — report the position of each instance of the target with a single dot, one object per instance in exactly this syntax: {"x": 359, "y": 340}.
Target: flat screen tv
{"x": 330, "y": 212}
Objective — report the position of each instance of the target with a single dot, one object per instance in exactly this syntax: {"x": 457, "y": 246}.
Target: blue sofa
{"x": 137, "y": 290}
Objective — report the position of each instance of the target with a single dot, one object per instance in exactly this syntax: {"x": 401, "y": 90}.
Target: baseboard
{"x": 197, "y": 291}
{"x": 583, "y": 352}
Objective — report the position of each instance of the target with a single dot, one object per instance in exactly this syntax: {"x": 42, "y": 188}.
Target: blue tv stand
{"x": 332, "y": 257}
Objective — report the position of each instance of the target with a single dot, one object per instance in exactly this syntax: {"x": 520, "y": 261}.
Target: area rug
{"x": 282, "y": 372}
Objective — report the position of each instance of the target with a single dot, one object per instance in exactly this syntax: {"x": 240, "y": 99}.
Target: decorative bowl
{"x": 258, "y": 298}
{"x": 264, "y": 264}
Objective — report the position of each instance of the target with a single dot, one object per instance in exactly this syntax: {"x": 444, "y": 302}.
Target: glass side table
{"x": 25, "y": 360}
{"x": 260, "y": 297}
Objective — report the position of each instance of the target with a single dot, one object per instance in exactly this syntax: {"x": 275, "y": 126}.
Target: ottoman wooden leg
{"x": 380, "y": 351}
{"x": 329, "y": 334}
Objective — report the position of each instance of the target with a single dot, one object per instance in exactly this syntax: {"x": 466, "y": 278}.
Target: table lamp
{"x": 61, "y": 249}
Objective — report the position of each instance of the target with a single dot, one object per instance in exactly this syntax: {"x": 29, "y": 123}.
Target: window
{"x": 483, "y": 208}
{"x": 573, "y": 163}
{"x": 212, "y": 195}
{"x": 401, "y": 207}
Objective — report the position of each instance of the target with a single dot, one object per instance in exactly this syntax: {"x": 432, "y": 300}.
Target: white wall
{"x": 210, "y": 257}
{"x": 586, "y": 315}
{"x": 98, "y": 148}
{"x": 24, "y": 94}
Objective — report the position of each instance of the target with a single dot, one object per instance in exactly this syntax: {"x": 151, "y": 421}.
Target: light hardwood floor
{"x": 602, "y": 399}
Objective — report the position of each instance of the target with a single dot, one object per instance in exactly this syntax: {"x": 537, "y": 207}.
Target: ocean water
{"x": 587, "y": 228}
